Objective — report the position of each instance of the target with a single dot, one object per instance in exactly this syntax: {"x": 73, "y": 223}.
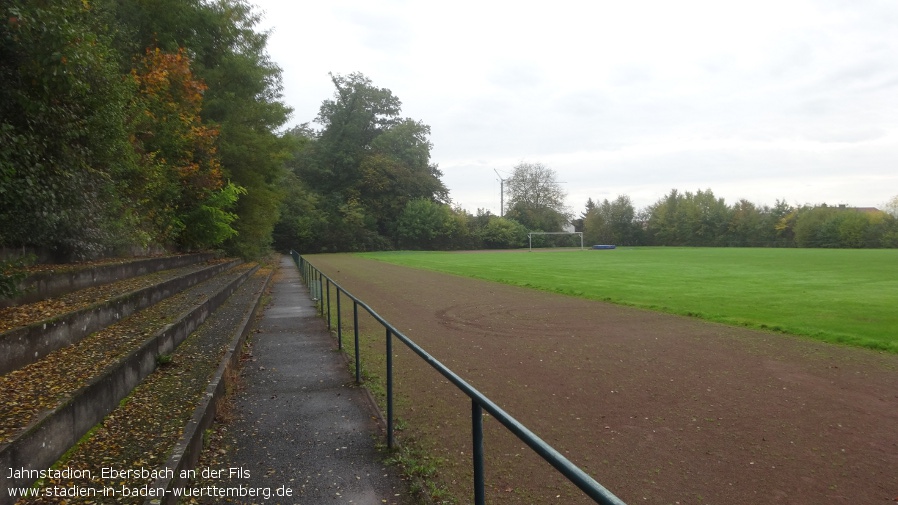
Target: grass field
{"x": 835, "y": 295}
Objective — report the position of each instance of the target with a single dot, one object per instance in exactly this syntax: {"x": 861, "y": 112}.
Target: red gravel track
{"x": 658, "y": 408}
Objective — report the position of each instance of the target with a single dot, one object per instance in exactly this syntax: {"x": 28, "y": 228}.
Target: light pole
{"x": 501, "y": 194}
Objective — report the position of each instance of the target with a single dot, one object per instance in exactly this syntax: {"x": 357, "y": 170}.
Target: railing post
{"x": 309, "y": 280}
{"x": 320, "y": 288}
{"x": 328, "y": 283}
{"x": 355, "y": 329}
{"x": 477, "y": 437}
{"x": 389, "y": 389}
{"x": 339, "y": 322}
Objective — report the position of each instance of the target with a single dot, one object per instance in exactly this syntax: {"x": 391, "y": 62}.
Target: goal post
{"x": 530, "y": 235}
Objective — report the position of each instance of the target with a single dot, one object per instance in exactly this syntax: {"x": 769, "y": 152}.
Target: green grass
{"x": 834, "y": 295}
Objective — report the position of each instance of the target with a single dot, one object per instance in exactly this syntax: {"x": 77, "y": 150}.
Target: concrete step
{"x": 159, "y": 426}
{"x": 57, "y": 280}
{"x": 51, "y": 403}
{"x": 77, "y": 314}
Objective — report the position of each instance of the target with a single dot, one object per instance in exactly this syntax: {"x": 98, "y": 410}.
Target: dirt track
{"x": 658, "y": 408}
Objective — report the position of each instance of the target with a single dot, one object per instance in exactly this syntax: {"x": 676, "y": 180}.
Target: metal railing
{"x": 320, "y": 287}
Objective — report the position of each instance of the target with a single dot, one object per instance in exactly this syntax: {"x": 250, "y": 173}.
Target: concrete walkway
{"x": 300, "y": 421}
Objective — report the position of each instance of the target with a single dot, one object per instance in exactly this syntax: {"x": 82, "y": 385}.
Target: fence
{"x": 320, "y": 287}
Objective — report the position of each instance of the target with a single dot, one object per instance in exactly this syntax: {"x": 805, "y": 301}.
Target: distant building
{"x": 870, "y": 211}
{"x": 862, "y": 210}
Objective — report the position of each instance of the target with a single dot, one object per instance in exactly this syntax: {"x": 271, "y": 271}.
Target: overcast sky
{"x": 760, "y": 100}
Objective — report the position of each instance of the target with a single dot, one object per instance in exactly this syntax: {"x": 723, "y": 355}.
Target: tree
{"x": 887, "y": 231}
{"x": 708, "y": 218}
{"x": 806, "y": 224}
{"x": 425, "y": 225}
{"x": 503, "y": 233}
{"x": 209, "y": 223}
{"x": 663, "y": 224}
{"x": 244, "y": 97}
{"x": 610, "y": 222}
{"x": 242, "y": 101}
{"x": 595, "y": 226}
{"x": 746, "y": 225}
{"x": 853, "y": 228}
{"x": 302, "y": 221}
{"x": 536, "y": 199}
{"x": 689, "y": 219}
{"x": 578, "y": 223}
{"x": 398, "y": 170}
{"x": 121, "y": 121}
{"x": 777, "y": 225}
{"x": 180, "y": 168}
{"x": 621, "y": 216}
{"x": 63, "y": 138}
{"x": 367, "y": 158}
{"x": 891, "y": 207}
{"x": 358, "y": 114}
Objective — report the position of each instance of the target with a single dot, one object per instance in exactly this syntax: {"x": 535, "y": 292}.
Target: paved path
{"x": 301, "y": 423}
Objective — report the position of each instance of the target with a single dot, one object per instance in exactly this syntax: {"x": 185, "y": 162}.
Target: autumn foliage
{"x": 172, "y": 98}
{"x": 179, "y": 168}
{"x": 112, "y": 139}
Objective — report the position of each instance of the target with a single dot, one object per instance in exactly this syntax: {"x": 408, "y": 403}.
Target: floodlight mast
{"x": 501, "y": 194}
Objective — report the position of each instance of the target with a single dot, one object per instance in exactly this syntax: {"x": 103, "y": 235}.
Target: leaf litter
{"x": 149, "y": 422}
{"x": 27, "y": 314}
{"x": 41, "y": 386}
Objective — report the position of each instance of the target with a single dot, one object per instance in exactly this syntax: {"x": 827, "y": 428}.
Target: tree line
{"x": 427, "y": 219}
{"x": 157, "y": 123}
{"x": 701, "y": 219}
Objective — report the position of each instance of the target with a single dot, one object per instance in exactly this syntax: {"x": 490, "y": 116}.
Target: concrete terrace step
{"x": 51, "y": 403}
{"x": 83, "y": 312}
{"x": 161, "y": 423}
{"x": 58, "y": 280}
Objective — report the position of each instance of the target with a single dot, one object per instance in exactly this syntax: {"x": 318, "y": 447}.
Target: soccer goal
{"x": 530, "y": 235}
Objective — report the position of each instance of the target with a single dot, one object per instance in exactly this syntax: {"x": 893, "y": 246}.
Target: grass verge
{"x": 419, "y": 466}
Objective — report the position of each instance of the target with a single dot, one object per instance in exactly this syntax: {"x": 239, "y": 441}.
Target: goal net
{"x": 573, "y": 234}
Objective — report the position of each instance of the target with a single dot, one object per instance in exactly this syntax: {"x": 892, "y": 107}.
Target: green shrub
{"x": 12, "y": 272}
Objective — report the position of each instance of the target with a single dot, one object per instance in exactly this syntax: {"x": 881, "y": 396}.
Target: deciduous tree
{"x": 63, "y": 137}
{"x": 536, "y": 199}
{"x": 503, "y": 233}
{"x": 368, "y": 158}
{"x": 242, "y": 101}
{"x": 425, "y": 224}
{"x": 610, "y": 222}
{"x": 181, "y": 169}
{"x": 891, "y": 207}
{"x": 689, "y": 219}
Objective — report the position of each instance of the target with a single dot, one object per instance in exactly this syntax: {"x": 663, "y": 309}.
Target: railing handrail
{"x": 572, "y": 472}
